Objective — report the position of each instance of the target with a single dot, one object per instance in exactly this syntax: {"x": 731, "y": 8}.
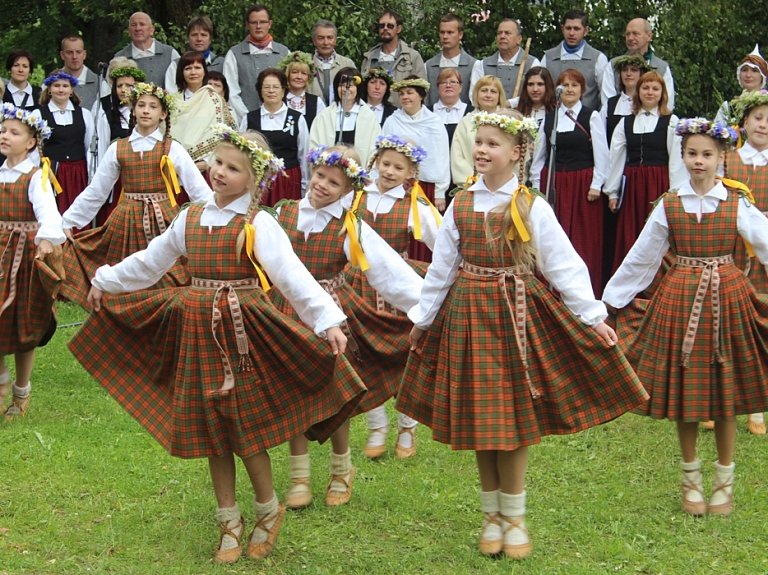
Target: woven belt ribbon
{"x": 330, "y": 286}
{"x": 21, "y": 228}
{"x": 150, "y": 200}
{"x": 243, "y": 346}
{"x": 710, "y": 277}
{"x": 518, "y": 311}
{"x": 381, "y": 303}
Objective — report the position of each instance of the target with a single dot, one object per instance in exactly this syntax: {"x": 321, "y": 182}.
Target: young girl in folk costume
{"x": 288, "y": 380}
{"x": 645, "y": 161}
{"x": 481, "y": 301}
{"x": 72, "y": 130}
{"x": 700, "y": 348}
{"x": 150, "y": 166}
{"x": 28, "y": 218}
{"x": 397, "y": 216}
{"x": 326, "y": 238}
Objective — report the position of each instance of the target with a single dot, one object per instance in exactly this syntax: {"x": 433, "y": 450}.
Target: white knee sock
{"x": 377, "y": 418}
{"x": 263, "y": 510}
{"x": 692, "y": 478}
{"x": 723, "y": 476}
{"x": 490, "y": 506}
{"x": 230, "y": 516}
{"x": 513, "y": 507}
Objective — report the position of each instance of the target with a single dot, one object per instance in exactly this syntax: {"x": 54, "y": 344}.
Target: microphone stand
{"x": 343, "y": 109}
{"x": 95, "y": 145}
{"x": 550, "y": 193}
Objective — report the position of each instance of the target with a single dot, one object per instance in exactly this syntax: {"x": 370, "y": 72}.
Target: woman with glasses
{"x": 450, "y": 108}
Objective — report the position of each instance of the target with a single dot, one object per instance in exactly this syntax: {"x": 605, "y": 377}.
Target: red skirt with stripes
{"x": 287, "y": 187}
{"x": 73, "y": 177}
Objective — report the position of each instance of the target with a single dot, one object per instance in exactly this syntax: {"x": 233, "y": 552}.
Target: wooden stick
{"x": 522, "y": 68}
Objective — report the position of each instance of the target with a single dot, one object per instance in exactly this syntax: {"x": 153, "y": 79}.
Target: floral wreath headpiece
{"x": 631, "y": 60}
{"x": 416, "y": 153}
{"x": 266, "y": 165}
{"x": 30, "y": 118}
{"x": 741, "y": 105}
{"x": 706, "y": 127}
{"x": 148, "y": 89}
{"x": 61, "y": 75}
{"x": 506, "y": 123}
{"x": 125, "y": 71}
{"x": 300, "y": 58}
{"x": 412, "y": 83}
{"x": 381, "y": 73}
{"x": 320, "y": 156}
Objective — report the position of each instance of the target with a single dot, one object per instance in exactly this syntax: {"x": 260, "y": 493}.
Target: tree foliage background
{"x": 703, "y": 40}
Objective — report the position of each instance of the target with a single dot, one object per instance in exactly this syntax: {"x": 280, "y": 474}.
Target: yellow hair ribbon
{"x": 517, "y": 219}
{"x": 172, "y": 184}
{"x": 356, "y": 254}
{"x": 744, "y": 189}
{"x": 416, "y": 192}
{"x": 49, "y": 175}
{"x": 470, "y": 181}
{"x": 250, "y": 238}
{"x": 358, "y": 198}
{"x": 739, "y": 143}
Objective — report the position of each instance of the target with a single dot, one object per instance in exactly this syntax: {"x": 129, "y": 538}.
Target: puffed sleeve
{"x": 189, "y": 175}
{"x": 47, "y": 214}
{"x": 428, "y": 222}
{"x": 618, "y": 158}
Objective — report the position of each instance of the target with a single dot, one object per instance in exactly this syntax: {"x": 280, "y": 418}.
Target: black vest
{"x": 647, "y": 149}
{"x": 310, "y": 109}
{"x": 116, "y": 129}
{"x": 389, "y": 109}
{"x": 451, "y": 128}
{"x": 284, "y": 144}
{"x": 612, "y": 120}
{"x": 67, "y": 143}
{"x": 574, "y": 149}
{"x": 29, "y": 102}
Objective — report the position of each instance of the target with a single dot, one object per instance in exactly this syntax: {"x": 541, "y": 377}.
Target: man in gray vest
{"x": 505, "y": 63}
{"x": 73, "y": 54}
{"x": 452, "y": 55}
{"x": 245, "y": 60}
{"x": 638, "y": 40}
{"x": 574, "y": 52}
{"x": 393, "y": 54}
{"x": 151, "y": 56}
{"x": 327, "y": 61}
{"x": 199, "y": 38}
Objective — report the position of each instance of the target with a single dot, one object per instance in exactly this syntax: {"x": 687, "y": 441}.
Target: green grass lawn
{"x": 83, "y": 489}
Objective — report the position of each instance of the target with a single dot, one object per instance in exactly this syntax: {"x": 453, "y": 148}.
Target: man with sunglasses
{"x": 452, "y": 55}
{"x": 392, "y": 53}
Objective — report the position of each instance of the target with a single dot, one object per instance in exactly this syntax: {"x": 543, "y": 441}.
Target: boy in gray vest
{"x": 452, "y": 55}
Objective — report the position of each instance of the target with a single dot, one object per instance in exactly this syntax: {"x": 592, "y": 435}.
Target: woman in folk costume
{"x": 645, "y": 161}
{"x": 19, "y": 91}
{"x": 72, "y": 128}
{"x": 327, "y": 238}
{"x": 348, "y": 119}
{"x": 700, "y": 348}
{"x": 156, "y": 347}
{"x": 30, "y": 269}
{"x": 581, "y": 165}
{"x": 397, "y": 216}
{"x": 752, "y": 75}
{"x": 151, "y": 166}
{"x": 301, "y": 71}
{"x": 628, "y": 70}
{"x": 375, "y": 90}
{"x": 538, "y": 97}
{"x": 481, "y": 301}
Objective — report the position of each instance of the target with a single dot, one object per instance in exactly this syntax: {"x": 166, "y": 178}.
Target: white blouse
{"x": 751, "y": 156}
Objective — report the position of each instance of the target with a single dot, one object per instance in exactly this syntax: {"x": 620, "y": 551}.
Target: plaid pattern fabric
{"x": 756, "y": 177}
{"x": 123, "y": 232}
{"x": 382, "y": 337}
{"x": 467, "y": 381}
{"x": 154, "y": 352}
{"x": 25, "y": 321}
{"x": 705, "y": 389}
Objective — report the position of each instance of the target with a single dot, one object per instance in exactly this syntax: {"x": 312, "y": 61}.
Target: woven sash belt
{"x": 518, "y": 311}
{"x": 243, "y": 346}
{"x": 381, "y": 304}
{"x": 21, "y": 228}
{"x": 710, "y": 277}
{"x": 154, "y": 201}
{"x": 330, "y": 286}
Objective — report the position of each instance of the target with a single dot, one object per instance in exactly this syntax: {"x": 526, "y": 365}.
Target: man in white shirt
{"x": 327, "y": 61}
{"x": 73, "y": 54}
{"x": 452, "y": 55}
{"x": 150, "y": 55}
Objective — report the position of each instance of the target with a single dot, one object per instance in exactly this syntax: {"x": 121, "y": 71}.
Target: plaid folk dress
{"x": 377, "y": 343}
{"x": 166, "y": 354}
{"x": 505, "y": 362}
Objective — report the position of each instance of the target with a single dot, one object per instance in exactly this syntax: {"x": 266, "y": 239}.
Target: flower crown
{"x": 125, "y": 71}
{"x": 631, "y": 60}
{"x": 741, "y": 105}
{"x": 148, "y": 89}
{"x": 412, "y": 83}
{"x": 379, "y": 72}
{"x": 266, "y": 165}
{"x": 416, "y": 153}
{"x": 321, "y": 157}
{"x": 30, "y": 118}
{"x": 60, "y": 75}
{"x": 506, "y": 123}
{"x": 706, "y": 127}
{"x": 300, "y": 58}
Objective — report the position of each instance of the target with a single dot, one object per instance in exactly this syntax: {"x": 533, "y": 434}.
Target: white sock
{"x": 263, "y": 510}
{"x": 298, "y": 468}
{"x": 757, "y": 417}
{"x": 22, "y": 392}
{"x": 377, "y": 418}
{"x": 692, "y": 477}
{"x": 404, "y": 422}
{"x": 489, "y": 504}
{"x": 513, "y": 507}
{"x": 723, "y": 475}
{"x": 230, "y": 516}
{"x": 341, "y": 465}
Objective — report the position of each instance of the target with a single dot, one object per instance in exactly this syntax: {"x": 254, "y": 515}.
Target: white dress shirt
{"x": 295, "y": 103}
{"x": 452, "y": 115}
{"x": 623, "y": 107}
{"x": 751, "y": 156}
{"x": 639, "y": 268}
{"x": 42, "y": 198}
{"x": 555, "y": 258}
{"x": 449, "y": 62}
{"x": 149, "y": 52}
{"x": 537, "y": 114}
{"x": 89, "y": 202}
{"x": 478, "y": 69}
{"x": 606, "y": 88}
{"x": 19, "y": 94}
{"x": 378, "y": 111}
{"x": 103, "y": 128}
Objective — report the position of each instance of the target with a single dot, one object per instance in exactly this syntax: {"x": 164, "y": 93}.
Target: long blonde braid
{"x": 259, "y": 183}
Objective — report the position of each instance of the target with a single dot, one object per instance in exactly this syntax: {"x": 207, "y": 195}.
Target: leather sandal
{"x": 708, "y": 425}
{"x": 301, "y": 497}
{"x": 374, "y": 451}
{"x": 18, "y": 407}
{"x": 334, "y": 498}
{"x": 263, "y": 549}
{"x": 405, "y": 452}
{"x": 722, "y": 508}
{"x": 754, "y": 427}
{"x": 521, "y": 550}
{"x": 230, "y": 555}
{"x": 491, "y": 546}
{"x": 695, "y": 508}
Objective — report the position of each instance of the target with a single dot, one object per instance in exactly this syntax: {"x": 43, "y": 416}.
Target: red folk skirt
{"x": 73, "y": 177}
{"x": 287, "y": 187}
{"x": 418, "y": 250}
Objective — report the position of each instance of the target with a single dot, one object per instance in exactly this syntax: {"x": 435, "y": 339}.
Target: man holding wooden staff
{"x": 509, "y": 63}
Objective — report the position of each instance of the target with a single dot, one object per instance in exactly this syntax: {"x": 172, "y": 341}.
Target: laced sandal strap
{"x": 514, "y": 523}
{"x": 340, "y": 479}
{"x": 383, "y": 431}
{"x": 491, "y": 518}
{"x": 722, "y": 486}
{"x": 408, "y": 430}
{"x": 262, "y": 523}
{"x": 224, "y": 530}
{"x": 300, "y": 481}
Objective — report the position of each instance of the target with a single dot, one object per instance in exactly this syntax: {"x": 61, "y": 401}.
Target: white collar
{"x": 335, "y": 209}
{"x": 508, "y": 188}
{"x": 719, "y": 192}
{"x": 14, "y": 90}
{"x": 576, "y": 109}
{"x": 654, "y": 112}
{"x": 291, "y": 96}
{"x": 265, "y": 112}
{"x": 514, "y": 59}
{"x": 396, "y": 192}
{"x": 579, "y": 52}
{"x": 156, "y": 135}
{"x": 440, "y": 106}
{"x": 748, "y": 151}
{"x": 150, "y": 50}
{"x": 239, "y": 206}
{"x": 623, "y": 96}
{"x": 355, "y": 108}
{"x": 54, "y": 108}
{"x": 24, "y": 167}
{"x": 379, "y": 106}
